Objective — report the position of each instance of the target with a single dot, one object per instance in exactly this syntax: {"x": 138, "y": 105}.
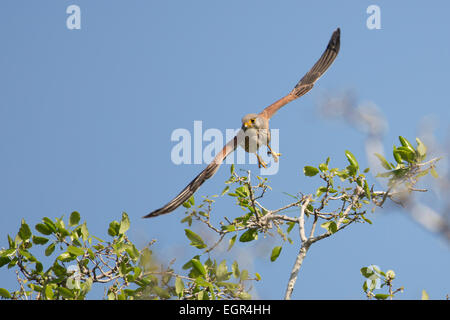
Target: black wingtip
{"x": 335, "y": 41}
{"x": 152, "y": 214}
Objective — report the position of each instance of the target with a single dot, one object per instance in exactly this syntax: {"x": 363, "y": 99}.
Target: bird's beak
{"x": 248, "y": 124}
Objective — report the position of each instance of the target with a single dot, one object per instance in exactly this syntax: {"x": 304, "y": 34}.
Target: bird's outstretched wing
{"x": 307, "y": 82}
{"x": 190, "y": 189}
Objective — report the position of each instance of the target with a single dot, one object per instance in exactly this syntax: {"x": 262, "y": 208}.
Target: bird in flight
{"x": 255, "y": 127}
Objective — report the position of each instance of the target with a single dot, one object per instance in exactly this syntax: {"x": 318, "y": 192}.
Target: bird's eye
{"x": 253, "y": 120}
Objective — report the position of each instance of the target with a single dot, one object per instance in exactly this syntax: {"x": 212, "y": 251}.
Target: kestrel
{"x": 255, "y": 127}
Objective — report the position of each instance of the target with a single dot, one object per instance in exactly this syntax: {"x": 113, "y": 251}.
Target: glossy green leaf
{"x": 397, "y": 156}
{"x": 405, "y": 143}
{"x": 249, "y": 235}
{"x": 351, "y": 159}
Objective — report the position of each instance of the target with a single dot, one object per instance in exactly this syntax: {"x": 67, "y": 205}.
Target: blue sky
{"x": 86, "y": 118}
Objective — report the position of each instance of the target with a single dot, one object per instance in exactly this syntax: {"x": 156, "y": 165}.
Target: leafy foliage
{"x": 377, "y": 280}
{"x": 80, "y": 259}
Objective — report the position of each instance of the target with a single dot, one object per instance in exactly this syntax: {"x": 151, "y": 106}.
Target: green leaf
{"x": 75, "y": 250}
{"x": 320, "y": 191}
{"x": 39, "y": 240}
{"x": 258, "y": 277}
{"x": 65, "y": 257}
{"x": 366, "y": 220}
{"x": 162, "y": 293}
{"x": 291, "y": 225}
{"x": 49, "y": 223}
{"x": 4, "y": 260}
{"x": 39, "y": 267}
{"x": 397, "y": 156}
{"x": 434, "y": 173}
{"x": 329, "y": 226}
{"x": 74, "y": 218}
{"x": 405, "y": 143}
{"x": 179, "y": 286}
{"x": 198, "y": 266}
{"x": 49, "y": 250}
{"x": 231, "y": 242}
{"x": 351, "y": 158}
{"x": 421, "y": 149}
{"x": 43, "y": 228}
{"x": 222, "y": 271}
{"x": 406, "y": 154}
{"x": 366, "y": 272}
{"x": 245, "y": 296}
{"x": 367, "y": 190}
{"x": 24, "y": 231}
{"x": 113, "y": 229}
{"x": 225, "y": 190}
{"x": 323, "y": 167}
{"x": 5, "y": 293}
{"x": 65, "y": 293}
{"x": 244, "y": 275}
{"x": 124, "y": 223}
{"x": 382, "y": 296}
{"x": 187, "y": 205}
{"x": 249, "y": 235}
{"x": 235, "y": 270}
{"x": 48, "y": 292}
{"x": 310, "y": 171}
{"x": 196, "y": 240}
{"x": 232, "y": 169}
{"x": 275, "y": 253}
{"x": 383, "y": 161}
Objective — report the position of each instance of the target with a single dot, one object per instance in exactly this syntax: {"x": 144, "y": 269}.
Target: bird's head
{"x": 252, "y": 120}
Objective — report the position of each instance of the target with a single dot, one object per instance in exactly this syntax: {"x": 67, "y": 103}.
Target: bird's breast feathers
{"x": 252, "y": 138}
